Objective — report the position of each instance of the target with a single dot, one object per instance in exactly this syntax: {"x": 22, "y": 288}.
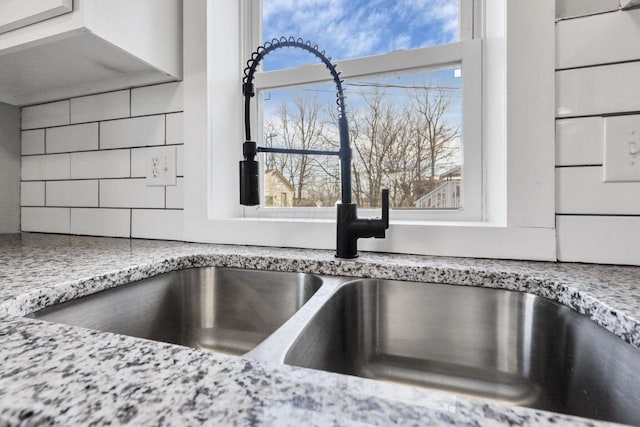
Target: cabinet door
{"x": 20, "y": 13}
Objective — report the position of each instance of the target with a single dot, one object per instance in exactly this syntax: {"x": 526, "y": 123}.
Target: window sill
{"x": 441, "y": 238}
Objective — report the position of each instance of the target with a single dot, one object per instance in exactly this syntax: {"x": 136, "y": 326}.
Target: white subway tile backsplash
{"x": 175, "y": 132}
{"x": 72, "y": 193}
{"x": 574, "y": 8}
{"x": 601, "y": 239}
{"x": 45, "y": 220}
{"x": 84, "y": 164}
{"x": 582, "y": 191}
{"x": 589, "y": 41}
{"x": 175, "y": 195}
{"x": 45, "y": 115}
{"x": 32, "y": 142}
{"x": 106, "y": 106}
{"x": 65, "y": 139}
{"x": 100, "y": 164}
{"x": 162, "y": 98}
{"x": 135, "y": 132}
{"x": 598, "y": 90}
{"x": 101, "y": 222}
{"x": 579, "y": 141}
{"x": 156, "y": 224}
{"x": 130, "y": 193}
{"x": 597, "y": 62}
{"x": 139, "y": 162}
{"x": 45, "y": 167}
{"x": 32, "y": 193}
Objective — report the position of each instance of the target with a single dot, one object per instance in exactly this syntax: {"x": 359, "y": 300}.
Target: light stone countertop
{"x": 62, "y": 375}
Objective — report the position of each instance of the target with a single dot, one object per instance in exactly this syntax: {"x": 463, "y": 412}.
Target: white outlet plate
{"x": 622, "y": 148}
{"x": 161, "y": 166}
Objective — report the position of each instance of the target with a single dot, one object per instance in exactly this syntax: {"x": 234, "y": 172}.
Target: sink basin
{"x": 218, "y": 309}
{"x": 512, "y": 347}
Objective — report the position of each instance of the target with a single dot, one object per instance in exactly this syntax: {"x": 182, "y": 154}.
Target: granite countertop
{"x": 56, "y": 374}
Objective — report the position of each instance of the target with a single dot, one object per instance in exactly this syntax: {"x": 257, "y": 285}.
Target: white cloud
{"x": 350, "y": 28}
{"x": 400, "y": 41}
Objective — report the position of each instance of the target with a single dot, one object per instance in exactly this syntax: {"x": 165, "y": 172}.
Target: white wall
{"x": 84, "y": 164}
{"x": 9, "y": 169}
{"x": 597, "y": 69}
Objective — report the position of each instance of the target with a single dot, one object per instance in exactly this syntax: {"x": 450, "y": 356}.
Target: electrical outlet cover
{"x": 622, "y": 148}
{"x": 161, "y": 166}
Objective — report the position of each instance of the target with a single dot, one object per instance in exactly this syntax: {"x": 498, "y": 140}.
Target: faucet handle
{"x": 385, "y": 207}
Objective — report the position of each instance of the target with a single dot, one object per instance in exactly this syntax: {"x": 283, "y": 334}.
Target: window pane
{"x": 354, "y": 28}
{"x": 405, "y": 136}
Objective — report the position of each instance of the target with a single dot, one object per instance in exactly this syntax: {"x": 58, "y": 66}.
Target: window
{"x": 518, "y": 216}
{"x": 413, "y": 86}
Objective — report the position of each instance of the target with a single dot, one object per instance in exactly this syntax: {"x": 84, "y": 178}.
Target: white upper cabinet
{"x": 49, "y": 51}
{"x": 20, "y": 13}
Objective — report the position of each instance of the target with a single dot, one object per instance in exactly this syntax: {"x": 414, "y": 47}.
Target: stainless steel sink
{"x": 218, "y": 309}
{"x": 507, "y": 346}
{"x": 510, "y": 347}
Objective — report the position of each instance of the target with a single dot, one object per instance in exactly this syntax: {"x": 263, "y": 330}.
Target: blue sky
{"x": 352, "y": 28}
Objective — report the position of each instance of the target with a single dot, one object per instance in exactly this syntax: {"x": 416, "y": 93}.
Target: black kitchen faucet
{"x": 349, "y": 227}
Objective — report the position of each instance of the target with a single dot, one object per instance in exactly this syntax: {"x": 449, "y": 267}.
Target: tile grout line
{"x": 115, "y": 119}
{"x": 102, "y": 150}
{"x": 121, "y": 208}
{"x": 102, "y": 178}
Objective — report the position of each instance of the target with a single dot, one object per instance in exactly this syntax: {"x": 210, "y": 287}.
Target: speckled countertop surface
{"x": 62, "y": 375}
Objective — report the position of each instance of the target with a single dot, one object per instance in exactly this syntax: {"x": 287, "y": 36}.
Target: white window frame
{"x": 518, "y": 131}
{"x": 466, "y": 53}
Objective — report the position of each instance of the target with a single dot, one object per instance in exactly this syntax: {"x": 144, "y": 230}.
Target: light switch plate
{"x": 622, "y": 148}
{"x": 161, "y": 166}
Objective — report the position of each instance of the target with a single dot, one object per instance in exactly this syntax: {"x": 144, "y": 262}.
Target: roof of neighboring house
{"x": 451, "y": 173}
{"x": 274, "y": 174}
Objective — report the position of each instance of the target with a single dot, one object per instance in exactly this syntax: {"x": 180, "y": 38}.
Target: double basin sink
{"x": 510, "y": 347}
